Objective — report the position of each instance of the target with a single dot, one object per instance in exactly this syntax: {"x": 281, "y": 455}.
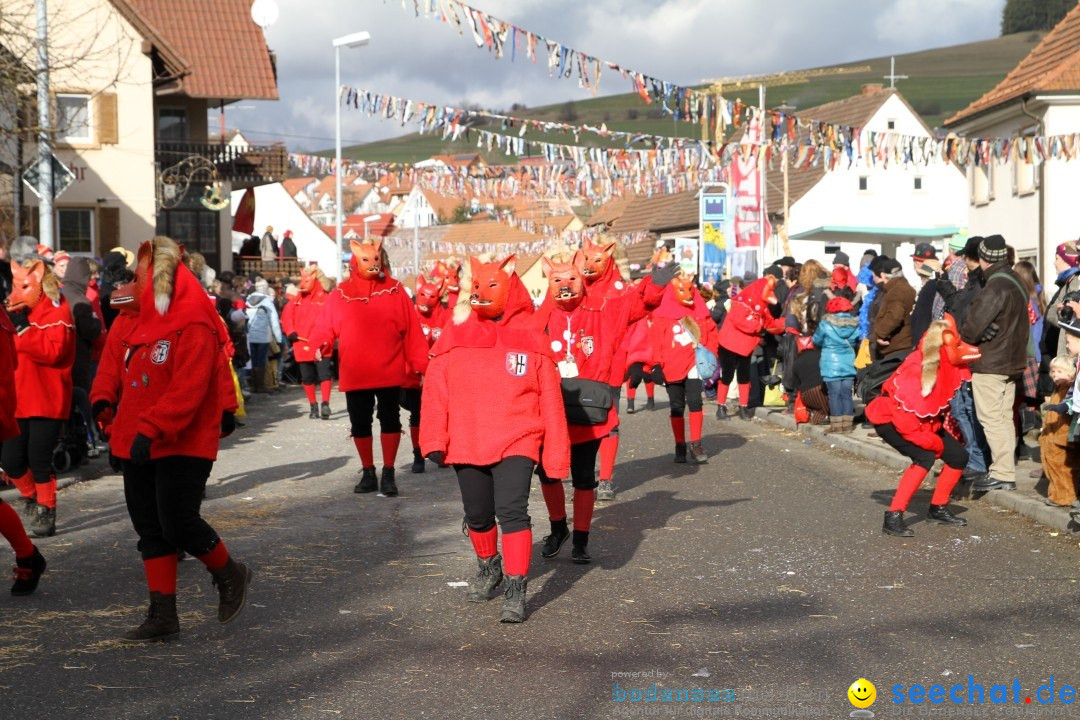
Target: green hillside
{"x": 941, "y": 82}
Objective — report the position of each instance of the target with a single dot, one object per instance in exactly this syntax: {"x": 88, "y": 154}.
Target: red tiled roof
{"x": 1052, "y": 65}
{"x": 220, "y": 46}
{"x": 293, "y": 186}
{"x": 659, "y": 213}
{"x": 443, "y": 205}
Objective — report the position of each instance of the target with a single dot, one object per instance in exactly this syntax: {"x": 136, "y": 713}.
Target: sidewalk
{"x": 1025, "y": 500}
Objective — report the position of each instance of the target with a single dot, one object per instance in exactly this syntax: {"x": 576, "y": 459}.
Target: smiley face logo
{"x": 862, "y": 693}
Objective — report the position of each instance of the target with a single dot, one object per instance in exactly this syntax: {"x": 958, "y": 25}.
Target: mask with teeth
{"x": 565, "y": 282}
{"x": 127, "y": 298}
{"x": 596, "y": 259}
{"x": 683, "y": 287}
{"x": 955, "y": 350}
{"x": 26, "y": 286}
{"x": 367, "y": 258}
{"x": 490, "y": 286}
{"x": 427, "y": 295}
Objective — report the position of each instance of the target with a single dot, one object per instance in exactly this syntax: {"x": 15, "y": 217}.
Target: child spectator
{"x": 837, "y": 336}
{"x": 807, "y": 381}
{"x": 1060, "y": 466}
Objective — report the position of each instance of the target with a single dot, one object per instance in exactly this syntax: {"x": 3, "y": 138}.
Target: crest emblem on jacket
{"x": 160, "y": 353}
{"x": 587, "y": 345}
{"x": 517, "y": 364}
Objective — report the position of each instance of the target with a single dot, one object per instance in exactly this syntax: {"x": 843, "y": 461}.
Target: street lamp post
{"x": 351, "y": 41}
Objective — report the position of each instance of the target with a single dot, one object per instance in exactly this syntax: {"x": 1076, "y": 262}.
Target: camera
{"x": 1067, "y": 314}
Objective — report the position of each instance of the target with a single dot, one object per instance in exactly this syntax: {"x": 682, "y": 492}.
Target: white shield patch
{"x": 517, "y": 364}
{"x": 160, "y": 353}
{"x": 587, "y": 345}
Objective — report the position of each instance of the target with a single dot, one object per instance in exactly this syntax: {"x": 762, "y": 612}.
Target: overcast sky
{"x": 681, "y": 41}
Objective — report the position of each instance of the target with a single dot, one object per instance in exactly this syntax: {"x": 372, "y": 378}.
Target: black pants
{"x": 361, "y": 405}
{"x": 500, "y": 490}
{"x": 163, "y": 500}
{"x": 954, "y": 454}
{"x": 410, "y": 400}
{"x": 32, "y": 449}
{"x": 683, "y": 394}
{"x": 734, "y": 366}
{"x": 635, "y": 375}
{"x": 313, "y": 372}
{"x": 582, "y": 466}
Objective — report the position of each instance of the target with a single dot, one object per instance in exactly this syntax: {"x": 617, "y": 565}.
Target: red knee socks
{"x": 678, "y": 428}
{"x": 609, "y": 448}
{"x": 325, "y": 391}
{"x": 631, "y": 392}
{"x": 25, "y": 485}
{"x": 517, "y": 552}
{"x": 11, "y": 528}
{"x": 216, "y": 558}
{"x": 744, "y": 394}
{"x": 696, "y": 419}
{"x": 390, "y": 442}
{"x": 414, "y": 434}
{"x": 161, "y": 574}
{"x": 310, "y": 390}
{"x": 485, "y": 543}
{"x": 650, "y": 388}
{"x": 721, "y": 393}
{"x": 909, "y": 483}
{"x": 555, "y": 499}
{"x": 584, "y": 500}
{"x": 363, "y": 446}
{"x": 46, "y": 493}
{"x": 946, "y": 481}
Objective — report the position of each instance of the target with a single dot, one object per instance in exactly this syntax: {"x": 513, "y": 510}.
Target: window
{"x": 196, "y": 229}
{"x": 918, "y": 183}
{"x": 892, "y": 124}
{"x": 864, "y": 182}
{"x": 982, "y": 191}
{"x": 1025, "y": 179}
{"x": 172, "y": 124}
{"x": 75, "y": 230}
{"x": 73, "y": 118}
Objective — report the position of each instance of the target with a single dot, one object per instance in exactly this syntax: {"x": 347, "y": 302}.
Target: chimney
{"x": 872, "y": 89}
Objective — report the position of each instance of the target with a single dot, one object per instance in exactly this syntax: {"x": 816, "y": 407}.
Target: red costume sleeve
{"x": 710, "y": 335}
{"x": 288, "y": 319}
{"x": 8, "y": 360}
{"x": 651, "y": 294}
{"x": 326, "y": 330}
{"x": 434, "y": 421}
{"x": 107, "y": 381}
{"x": 45, "y": 345}
{"x": 555, "y": 453}
{"x": 414, "y": 342}
{"x": 744, "y": 320}
{"x": 199, "y": 355}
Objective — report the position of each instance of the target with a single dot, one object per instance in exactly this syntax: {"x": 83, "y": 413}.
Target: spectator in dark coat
{"x": 923, "y": 312}
{"x": 891, "y": 333}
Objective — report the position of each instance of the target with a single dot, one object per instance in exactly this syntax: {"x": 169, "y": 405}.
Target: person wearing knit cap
{"x": 1067, "y": 264}
{"x": 867, "y": 257}
{"x": 997, "y": 322}
{"x": 842, "y": 261}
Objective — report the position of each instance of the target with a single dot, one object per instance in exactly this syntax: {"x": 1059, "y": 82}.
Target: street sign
{"x": 713, "y": 234}
{"x": 62, "y": 177}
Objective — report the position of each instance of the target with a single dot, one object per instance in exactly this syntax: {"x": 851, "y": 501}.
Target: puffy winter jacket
{"x": 262, "y": 319}
{"x": 837, "y": 336}
{"x": 46, "y": 353}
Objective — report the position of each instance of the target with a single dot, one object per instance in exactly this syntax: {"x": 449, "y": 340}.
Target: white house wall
{"x": 274, "y": 207}
{"x": 1062, "y": 189}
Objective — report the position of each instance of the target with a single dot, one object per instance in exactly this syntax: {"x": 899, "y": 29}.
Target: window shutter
{"x": 108, "y": 130}
{"x": 108, "y": 223}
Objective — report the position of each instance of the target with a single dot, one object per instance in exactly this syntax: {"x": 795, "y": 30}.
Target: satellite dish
{"x": 264, "y": 13}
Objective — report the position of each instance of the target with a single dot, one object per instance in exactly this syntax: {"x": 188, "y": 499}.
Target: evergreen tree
{"x": 1033, "y": 15}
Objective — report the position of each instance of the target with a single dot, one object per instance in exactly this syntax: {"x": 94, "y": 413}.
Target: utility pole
{"x": 45, "y": 173}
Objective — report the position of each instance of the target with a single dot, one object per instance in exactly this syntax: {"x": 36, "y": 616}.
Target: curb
{"x": 1016, "y": 501}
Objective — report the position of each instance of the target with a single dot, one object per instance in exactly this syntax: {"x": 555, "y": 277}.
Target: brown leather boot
{"x": 161, "y": 624}
{"x": 232, "y": 582}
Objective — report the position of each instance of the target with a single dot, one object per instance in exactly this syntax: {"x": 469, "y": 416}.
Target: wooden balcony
{"x": 243, "y": 166}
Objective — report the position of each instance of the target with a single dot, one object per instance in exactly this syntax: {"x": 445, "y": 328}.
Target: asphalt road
{"x": 764, "y": 572}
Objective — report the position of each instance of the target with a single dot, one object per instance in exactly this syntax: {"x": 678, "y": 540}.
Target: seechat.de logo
{"x": 862, "y": 695}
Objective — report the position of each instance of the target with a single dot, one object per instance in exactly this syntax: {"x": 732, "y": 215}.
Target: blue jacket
{"x": 262, "y": 319}
{"x": 837, "y": 336}
{"x": 866, "y": 278}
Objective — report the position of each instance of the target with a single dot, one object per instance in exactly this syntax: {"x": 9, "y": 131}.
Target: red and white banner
{"x": 746, "y": 194}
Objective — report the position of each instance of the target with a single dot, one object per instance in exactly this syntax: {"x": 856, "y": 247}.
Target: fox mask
{"x": 597, "y": 258}
{"x": 27, "y": 288}
{"x": 490, "y": 286}
{"x": 565, "y": 281}
{"x": 367, "y": 258}
{"x": 427, "y": 295}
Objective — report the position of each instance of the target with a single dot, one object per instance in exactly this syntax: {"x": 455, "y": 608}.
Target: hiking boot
{"x": 387, "y": 486}
{"x": 27, "y": 573}
{"x": 313, "y": 414}
{"x": 894, "y": 524}
{"x": 232, "y": 582}
{"x": 722, "y": 412}
{"x": 942, "y": 515}
{"x": 489, "y": 574}
{"x": 513, "y": 609}
{"x": 555, "y": 540}
{"x": 580, "y": 554}
{"x": 650, "y": 404}
{"x": 680, "y": 452}
{"x": 161, "y": 624}
{"x": 417, "y": 462}
{"x": 324, "y": 410}
{"x": 630, "y": 406}
{"x": 746, "y": 413}
{"x": 697, "y": 454}
{"x": 605, "y": 491}
{"x": 44, "y": 522}
{"x": 368, "y": 481}
{"x": 26, "y": 506}
{"x": 835, "y": 426}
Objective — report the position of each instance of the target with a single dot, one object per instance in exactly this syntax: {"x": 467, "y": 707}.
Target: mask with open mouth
{"x": 427, "y": 295}
{"x": 367, "y": 258}
{"x": 27, "y": 286}
{"x": 127, "y": 298}
{"x": 683, "y": 287}
{"x": 565, "y": 282}
{"x": 452, "y": 283}
{"x": 956, "y": 351}
{"x": 309, "y": 278}
{"x": 596, "y": 259}
{"x": 490, "y": 286}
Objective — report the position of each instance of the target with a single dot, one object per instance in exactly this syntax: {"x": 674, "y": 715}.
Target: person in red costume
{"x": 912, "y": 415}
{"x": 583, "y": 329}
{"x": 166, "y": 426}
{"x": 744, "y": 324}
{"x": 298, "y": 320}
{"x": 639, "y": 362}
{"x": 380, "y": 346}
{"x": 680, "y": 325}
{"x": 45, "y": 344}
{"x": 29, "y": 563}
{"x": 432, "y": 316}
{"x": 491, "y": 356}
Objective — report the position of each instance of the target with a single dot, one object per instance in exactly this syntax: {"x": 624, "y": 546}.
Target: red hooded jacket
{"x": 379, "y": 338}
{"x": 46, "y": 353}
{"x": 492, "y": 392}
{"x": 747, "y": 318}
{"x": 637, "y": 345}
{"x": 673, "y": 342}
{"x": 611, "y": 285}
{"x": 300, "y": 315}
{"x": 108, "y": 382}
{"x": 9, "y": 428}
{"x": 432, "y": 328}
{"x": 172, "y": 375}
